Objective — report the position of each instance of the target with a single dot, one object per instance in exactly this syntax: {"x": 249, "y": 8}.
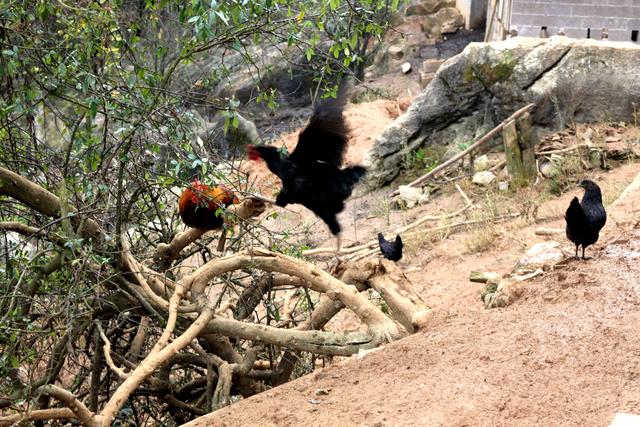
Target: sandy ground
{"x": 567, "y": 353}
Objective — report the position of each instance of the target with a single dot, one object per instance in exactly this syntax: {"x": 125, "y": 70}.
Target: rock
{"x": 625, "y": 420}
{"x": 444, "y": 19}
{"x": 540, "y": 256}
{"x": 452, "y": 25}
{"x": 396, "y": 52}
{"x": 429, "y": 52}
{"x": 503, "y": 186}
{"x": 431, "y": 65}
{"x": 483, "y": 178}
{"x": 548, "y": 169}
{"x": 411, "y": 196}
{"x": 428, "y": 7}
{"x": 233, "y": 142}
{"x": 425, "y": 78}
{"x": 487, "y": 82}
{"x": 406, "y": 68}
{"x": 481, "y": 163}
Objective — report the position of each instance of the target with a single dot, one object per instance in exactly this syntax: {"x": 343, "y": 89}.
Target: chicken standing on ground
{"x": 311, "y": 174}
{"x": 586, "y": 218}
{"x": 390, "y": 250}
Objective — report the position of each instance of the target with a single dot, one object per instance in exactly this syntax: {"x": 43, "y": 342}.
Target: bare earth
{"x": 567, "y": 353}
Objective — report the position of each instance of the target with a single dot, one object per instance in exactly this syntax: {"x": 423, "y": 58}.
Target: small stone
{"x": 396, "y": 52}
{"x": 483, "y": 178}
{"x": 549, "y": 170}
{"x": 431, "y": 65}
{"x": 480, "y": 163}
{"x": 406, "y": 68}
{"x": 322, "y": 391}
{"x": 503, "y": 186}
{"x": 411, "y": 196}
{"x": 425, "y": 78}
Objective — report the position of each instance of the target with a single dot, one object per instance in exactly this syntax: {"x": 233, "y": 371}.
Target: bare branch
{"x": 151, "y": 363}
{"x": 37, "y": 415}
{"x": 107, "y": 354}
{"x": 81, "y": 412}
{"x": 43, "y": 201}
{"x": 165, "y": 254}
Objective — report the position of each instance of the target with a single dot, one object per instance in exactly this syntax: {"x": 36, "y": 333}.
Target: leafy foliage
{"x": 99, "y": 105}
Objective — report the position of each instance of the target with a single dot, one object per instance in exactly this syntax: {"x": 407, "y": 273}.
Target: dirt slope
{"x": 566, "y": 353}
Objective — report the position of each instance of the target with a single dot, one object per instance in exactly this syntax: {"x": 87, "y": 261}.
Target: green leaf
{"x": 62, "y": 70}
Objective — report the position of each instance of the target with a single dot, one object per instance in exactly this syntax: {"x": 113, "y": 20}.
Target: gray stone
{"x": 569, "y": 80}
{"x": 540, "y": 256}
{"x": 483, "y": 178}
{"x": 481, "y": 163}
{"x": 431, "y": 65}
{"x": 445, "y": 18}
{"x": 549, "y": 169}
{"x": 428, "y": 7}
{"x": 233, "y": 142}
{"x": 425, "y": 78}
{"x": 396, "y": 52}
{"x": 410, "y": 196}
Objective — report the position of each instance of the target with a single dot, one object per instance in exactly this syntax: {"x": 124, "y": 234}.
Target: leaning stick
{"x": 401, "y": 230}
{"x": 474, "y": 146}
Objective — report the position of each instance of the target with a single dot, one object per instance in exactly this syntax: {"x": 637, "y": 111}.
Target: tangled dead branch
{"x": 198, "y": 314}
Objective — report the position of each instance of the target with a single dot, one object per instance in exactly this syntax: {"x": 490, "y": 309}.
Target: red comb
{"x": 252, "y": 153}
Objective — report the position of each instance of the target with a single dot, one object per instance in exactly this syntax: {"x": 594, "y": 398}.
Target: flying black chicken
{"x": 586, "y": 218}
{"x": 311, "y": 174}
{"x": 390, "y": 250}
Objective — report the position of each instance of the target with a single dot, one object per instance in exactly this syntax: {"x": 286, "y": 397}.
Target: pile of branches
{"x": 153, "y": 340}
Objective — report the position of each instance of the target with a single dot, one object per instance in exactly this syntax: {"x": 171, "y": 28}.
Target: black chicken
{"x": 390, "y": 250}
{"x": 585, "y": 219}
{"x": 311, "y": 174}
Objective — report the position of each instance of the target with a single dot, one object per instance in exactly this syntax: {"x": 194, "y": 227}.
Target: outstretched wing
{"x": 325, "y": 137}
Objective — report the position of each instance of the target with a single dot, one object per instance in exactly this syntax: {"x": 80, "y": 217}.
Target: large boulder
{"x": 568, "y": 79}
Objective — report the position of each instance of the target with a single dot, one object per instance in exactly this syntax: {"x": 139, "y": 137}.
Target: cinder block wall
{"x": 576, "y": 17}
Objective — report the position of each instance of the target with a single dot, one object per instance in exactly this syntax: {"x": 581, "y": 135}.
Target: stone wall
{"x": 569, "y": 80}
{"x": 577, "y": 18}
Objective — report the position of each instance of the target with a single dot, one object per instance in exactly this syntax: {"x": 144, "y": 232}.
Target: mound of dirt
{"x": 566, "y": 353}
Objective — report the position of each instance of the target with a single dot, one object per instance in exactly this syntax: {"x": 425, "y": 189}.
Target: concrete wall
{"x": 474, "y": 12}
{"x": 575, "y": 17}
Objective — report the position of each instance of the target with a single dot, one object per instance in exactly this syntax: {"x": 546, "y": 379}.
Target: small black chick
{"x": 586, "y": 218}
{"x": 390, "y": 250}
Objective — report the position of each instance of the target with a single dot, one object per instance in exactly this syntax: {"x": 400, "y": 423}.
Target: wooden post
{"x": 519, "y": 146}
{"x": 513, "y": 153}
{"x": 526, "y": 139}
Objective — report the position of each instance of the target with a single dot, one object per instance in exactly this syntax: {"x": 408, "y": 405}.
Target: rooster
{"x": 199, "y": 205}
{"x": 311, "y": 174}
{"x": 586, "y": 218}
